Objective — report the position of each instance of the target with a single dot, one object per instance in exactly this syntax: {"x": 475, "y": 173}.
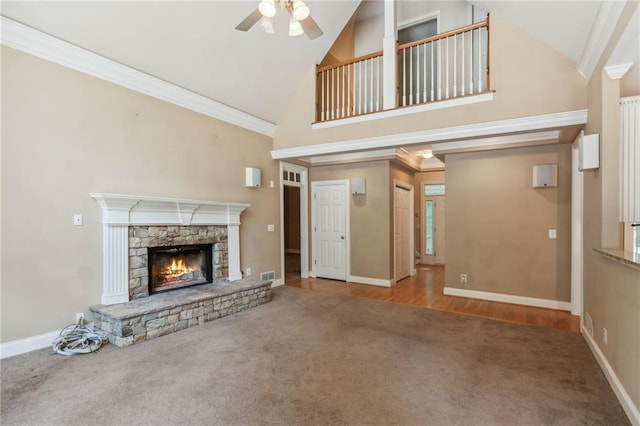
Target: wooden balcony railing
{"x": 445, "y": 66}
{"x": 349, "y": 88}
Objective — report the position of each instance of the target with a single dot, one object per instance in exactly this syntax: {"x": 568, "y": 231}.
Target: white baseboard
{"x": 28, "y": 344}
{"x": 371, "y": 281}
{"x": 507, "y": 298}
{"x": 627, "y": 404}
{"x": 277, "y": 283}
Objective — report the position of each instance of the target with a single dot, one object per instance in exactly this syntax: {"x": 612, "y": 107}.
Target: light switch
{"x": 77, "y": 220}
{"x": 271, "y": 227}
{"x": 552, "y": 234}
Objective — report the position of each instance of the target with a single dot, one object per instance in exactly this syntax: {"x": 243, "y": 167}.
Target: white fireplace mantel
{"x": 121, "y": 211}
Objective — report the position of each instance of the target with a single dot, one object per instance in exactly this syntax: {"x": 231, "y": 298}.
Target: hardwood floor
{"x": 425, "y": 290}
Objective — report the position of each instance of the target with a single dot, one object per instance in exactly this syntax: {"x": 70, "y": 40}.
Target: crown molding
{"x": 477, "y": 130}
{"x": 44, "y": 46}
{"x": 506, "y": 141}
{"x": 616, "y": 72}
{"x": 607, "y": 17}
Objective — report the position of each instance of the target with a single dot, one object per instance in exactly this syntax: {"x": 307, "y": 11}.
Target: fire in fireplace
{"x": 179, "y": 266}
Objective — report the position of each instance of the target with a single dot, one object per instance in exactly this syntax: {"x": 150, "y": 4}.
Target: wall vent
{"x": 268, "y": 276}
{"x": 588, "y": 323}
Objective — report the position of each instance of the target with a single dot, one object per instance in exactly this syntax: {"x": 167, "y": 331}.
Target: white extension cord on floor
{"x": 79, "y": 339}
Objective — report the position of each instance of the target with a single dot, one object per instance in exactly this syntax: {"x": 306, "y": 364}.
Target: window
{"x": 433, "y": 190}
{"x": 428, "y": 208}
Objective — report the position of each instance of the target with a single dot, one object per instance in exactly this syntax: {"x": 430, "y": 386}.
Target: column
{"x": 389, "y": 68}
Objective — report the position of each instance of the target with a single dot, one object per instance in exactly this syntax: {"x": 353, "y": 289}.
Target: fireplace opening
{"x": 176, "y": 267}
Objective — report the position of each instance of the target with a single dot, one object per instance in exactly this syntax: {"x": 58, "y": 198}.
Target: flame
{"x": 178, "y": 267}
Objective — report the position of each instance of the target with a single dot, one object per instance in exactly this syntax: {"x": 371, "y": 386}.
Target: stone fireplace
{"x": 161, "y": 243}
{"x": 132, "y": 225}
{"x": 153, "y": 245}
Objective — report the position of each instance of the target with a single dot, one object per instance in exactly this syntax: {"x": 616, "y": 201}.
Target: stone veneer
{"x": 142, "y": 237}
{"x": 164, "y": 313}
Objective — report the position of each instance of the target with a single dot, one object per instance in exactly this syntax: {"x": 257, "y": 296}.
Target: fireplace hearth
{"x": 181, "y": 266}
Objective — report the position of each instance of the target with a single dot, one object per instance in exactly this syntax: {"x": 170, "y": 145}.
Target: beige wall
{"x": 369, "y": 216}
{"x": 522, "y": 68}
{"x": 497, "y": 224}
{"x": 66, "y": 134}
{"x": 611, "y": 291}
{"x": 342, "y": 48}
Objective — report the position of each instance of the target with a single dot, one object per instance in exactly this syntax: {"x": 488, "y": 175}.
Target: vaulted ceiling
{"x": 194, "y": 44}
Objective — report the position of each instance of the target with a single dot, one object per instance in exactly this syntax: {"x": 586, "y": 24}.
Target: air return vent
{"x": 268, "y": 276}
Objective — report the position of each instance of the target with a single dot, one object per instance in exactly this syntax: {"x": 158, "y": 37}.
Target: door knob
{"x": 342, "y": 237}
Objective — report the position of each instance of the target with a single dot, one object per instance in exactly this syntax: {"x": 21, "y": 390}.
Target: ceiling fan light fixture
{"x": 295, "y": 29}
{"x": 267, "y": 25}
{"x": 267, "y": 8}
{"x": 300, "y": 10}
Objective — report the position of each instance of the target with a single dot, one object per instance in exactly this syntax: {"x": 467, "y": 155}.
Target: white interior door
{"x": 330, "y": 229}
{"x": 402, "y": 208}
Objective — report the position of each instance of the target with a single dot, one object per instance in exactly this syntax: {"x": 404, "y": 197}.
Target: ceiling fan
{"x": 300, "y": 21}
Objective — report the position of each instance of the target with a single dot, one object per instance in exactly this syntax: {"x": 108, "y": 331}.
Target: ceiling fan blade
{"x": 311, "y": 29}
{"x": 249, "y": 21}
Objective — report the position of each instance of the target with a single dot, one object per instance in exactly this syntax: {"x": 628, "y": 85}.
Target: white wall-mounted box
{"x": 252, "y": 177}
{"x": 545, "y": 175}
{"x": 358, "y": 186}
{"x": 589, "y": 152}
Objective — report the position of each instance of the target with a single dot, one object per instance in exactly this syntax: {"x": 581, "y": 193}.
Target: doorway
{"x": 292, "y": 269}
{"x": 330, "y": 229}
{"x": 294, "y": 220}
{"x": 434, "y": 225}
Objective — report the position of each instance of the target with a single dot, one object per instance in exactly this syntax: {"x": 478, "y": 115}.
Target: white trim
{"x": 533, "y": 138}
{"x": 632, "y": 412}
{"x": 616, "y": 72}
{"x": 414, "y": 109}
{"x": 507, "y": 298}
{"x": 44, "y": 46}
{"x": 513, "y": 125}
{"x": 277, "y": 283}
{"x": 304, "y": 216}
{"x": 577, "y": 218}
{"x": 607, "y": 17}
{"x": 370, "y": 281}
{"x": 28, "y": 344}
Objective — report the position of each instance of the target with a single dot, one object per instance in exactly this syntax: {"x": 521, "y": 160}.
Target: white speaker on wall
{"x": 358, "y": 186}
{"x": 545, "y": 175}
{"x": 589, "y": 152}
{"x": 252, "y": 177}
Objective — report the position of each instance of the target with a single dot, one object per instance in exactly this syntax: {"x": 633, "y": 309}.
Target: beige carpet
{"x": 308, "y": 358}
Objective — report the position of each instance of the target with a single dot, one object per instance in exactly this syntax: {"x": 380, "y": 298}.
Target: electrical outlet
{"x": 80, "y": 318}
{"x": 605, "y": 336}
{"x": 463, "y": 278}
{"x": 77, "y": 220}
{"x": 248, "y": 272}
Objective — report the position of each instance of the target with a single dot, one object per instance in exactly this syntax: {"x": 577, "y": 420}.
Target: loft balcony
{"x": 447, "y": 66}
